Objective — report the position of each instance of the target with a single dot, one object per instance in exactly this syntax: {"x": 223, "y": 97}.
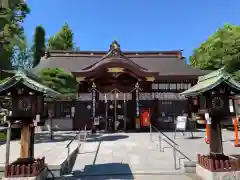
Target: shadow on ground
{"x": 45, "y": 137}
{"x": 194, "y": 137}
{"x": 173, "y": 130}
{"x": 95, "y": 138}
{"x": 104, "y": 172}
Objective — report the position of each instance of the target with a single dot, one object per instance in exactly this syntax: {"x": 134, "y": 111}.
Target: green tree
{"x": 220, "y": 49}
{"x": 38, "y": 47}
{"x": 62, "y": 40}
{"x": 22, "y": 56}
{"x": 59, "y": 80}
{"x": 11, "y": 30}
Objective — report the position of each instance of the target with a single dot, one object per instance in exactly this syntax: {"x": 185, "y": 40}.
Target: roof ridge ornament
{"x": 115, "y": 49}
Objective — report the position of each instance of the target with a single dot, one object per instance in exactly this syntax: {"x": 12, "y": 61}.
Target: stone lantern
{"x": 217, "y": 89}
{"x": 27, "y": 95}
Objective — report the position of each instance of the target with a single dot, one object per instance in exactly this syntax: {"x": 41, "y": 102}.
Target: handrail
{"x": 172, "y": 143}
{"x": 53, "y": 177}
{"x": 177, "y": 150}
{"x": 79, "y": 143}
{"x": 164, "y": 135}
{"x": 75, "y": 137}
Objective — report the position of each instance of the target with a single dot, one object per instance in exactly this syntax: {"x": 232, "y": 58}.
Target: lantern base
{"x": 215, "y": 162}
{"x": 236, "y": 145}
{"x": 25, "y": 167}
{"x": 218, "y": 166}
{"x": 206, "y": 174}
{"x": 207, "y": 140}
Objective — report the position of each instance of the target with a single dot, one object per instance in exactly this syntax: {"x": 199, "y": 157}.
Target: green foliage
{"x": 38, "y": 47}
{"x": 11, "y": 30}
{"x": 59, "y": 80}
{"x": 62, "y": 40}
{"x": 3, "y": 136}
{"x": 220, "y": 49}
{"x": 237, "y": 75}
{"x": 4, "y": 80}
{"x": 22, "y": 56}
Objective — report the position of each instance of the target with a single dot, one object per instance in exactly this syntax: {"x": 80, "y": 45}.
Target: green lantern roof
{"x": 30, "y": 80}
{"x": 210, "y": 81}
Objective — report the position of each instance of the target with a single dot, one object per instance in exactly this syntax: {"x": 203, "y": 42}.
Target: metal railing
{"x": 51, "y": 173}
{"x": 77, "y": 136}
{"x": 163, "y": 137}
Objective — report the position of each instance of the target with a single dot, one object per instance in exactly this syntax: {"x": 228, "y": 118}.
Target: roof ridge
{"x": 114, "y": 52}
{"x": 220, "y": 72}
{"x": 124, "y": 51}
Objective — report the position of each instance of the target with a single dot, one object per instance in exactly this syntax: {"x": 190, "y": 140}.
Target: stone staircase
{"x": 124, "y": 156}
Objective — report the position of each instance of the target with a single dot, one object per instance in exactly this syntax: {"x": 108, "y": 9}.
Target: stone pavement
{"x": 136, "y": 177}
{"x": 53, "y": 150}
{"x": 124, "y": 156}
{"x": 191, "y": 147}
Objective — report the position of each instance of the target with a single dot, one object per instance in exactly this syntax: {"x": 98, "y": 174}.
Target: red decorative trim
{"x": 21, "y": 169}
{"x": 220, "y": 164}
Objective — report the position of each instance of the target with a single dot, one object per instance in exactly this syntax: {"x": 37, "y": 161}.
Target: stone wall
{"x": 63, "y": 124}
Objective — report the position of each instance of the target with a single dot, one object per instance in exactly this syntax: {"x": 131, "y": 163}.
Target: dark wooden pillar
{"x": 25, "y": 139}
{"x": 215, "y": 136}
{"x": 31, "y": 146}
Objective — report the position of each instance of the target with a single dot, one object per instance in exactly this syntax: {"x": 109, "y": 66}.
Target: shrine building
{"x": 118, "y": 85}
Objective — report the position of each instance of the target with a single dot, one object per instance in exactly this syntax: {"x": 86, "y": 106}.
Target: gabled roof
{"x": 29, "y": 80}
{"x": 210, "y": 81}
{"x": 114, "y": 54}
{"x": 166, "y": 63}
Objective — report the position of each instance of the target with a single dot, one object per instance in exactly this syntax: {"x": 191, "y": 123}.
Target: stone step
{"x": 135, "y": 176}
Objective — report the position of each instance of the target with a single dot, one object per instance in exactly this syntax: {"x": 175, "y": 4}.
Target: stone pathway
{"x": 51, "y": 149}
{"x": 124, "y": 156}
{"x": 191, "y": 147}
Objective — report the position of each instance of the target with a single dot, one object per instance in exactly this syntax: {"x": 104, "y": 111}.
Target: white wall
{"x": 63, "y": 124}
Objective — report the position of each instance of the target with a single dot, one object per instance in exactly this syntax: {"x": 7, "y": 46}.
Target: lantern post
{"x": 216, "y": 90}
{"x": 27, "y": 97}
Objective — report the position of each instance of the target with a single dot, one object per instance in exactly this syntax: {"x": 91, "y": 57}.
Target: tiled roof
{"x": 163, "y": 65}
{"x": 163, "y": 62}
{"x": 210, "y": 81}
{"x": 26, "y": 78}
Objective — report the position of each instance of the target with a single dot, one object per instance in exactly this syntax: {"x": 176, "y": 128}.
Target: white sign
{"x": 208, "y": 118}
{"x": 35, "y": 122}
{"x": 181, "y": 123}
{"x": 96, "y": 121}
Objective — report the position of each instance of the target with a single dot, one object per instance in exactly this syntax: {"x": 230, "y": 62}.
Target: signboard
{"x": 181, "y": 123}
{"x": 137, "y": 123}
{"x": 115, "y": 70}
{"x": 96, "y": 121}
{"x": 208, "y": 118}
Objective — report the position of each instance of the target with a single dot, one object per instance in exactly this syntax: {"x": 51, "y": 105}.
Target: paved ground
{"x": 136, "y": 177}
{"x": 53, "y": 150}
{"x": 124, "y": 156}
{"x": 135, "y": 156}
{"x": 191, "y": 147}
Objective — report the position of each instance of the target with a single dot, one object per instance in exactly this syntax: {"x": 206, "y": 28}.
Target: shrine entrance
{"x": 116, "y": 110}
{"x": 114, "y": 82}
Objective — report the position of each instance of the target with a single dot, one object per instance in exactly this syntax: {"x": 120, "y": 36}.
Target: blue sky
{"x": 136, "y": 24}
